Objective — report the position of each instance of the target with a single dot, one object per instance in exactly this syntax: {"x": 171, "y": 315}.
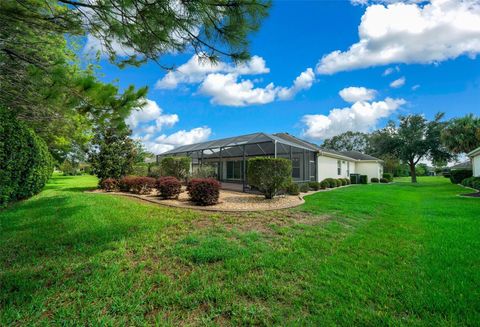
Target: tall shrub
{"x": 269, "y": 175}
{"x": 25, "y": 162}
{"x": 457, "y": 176}
{"x": 178, "y": 167}
{"x": 113, "y": 154}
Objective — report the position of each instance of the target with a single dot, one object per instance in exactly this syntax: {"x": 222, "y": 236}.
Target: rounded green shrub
{"x": 314, "y": 186}
{"x": 25, "y": 162}
{"x": 384, "y": 180}
{"x": 341, "y": 182}
{"x": 269, "y": 175}
{"x": 324, "y": 185}
{"x": 178, "y": 167}
{"x": 388, "y": 176}
{"x": 292, "y": 189}
{"x": 374, "y": 180}
{"x": 457, "y": 176}
{"x": 304, "y": 188}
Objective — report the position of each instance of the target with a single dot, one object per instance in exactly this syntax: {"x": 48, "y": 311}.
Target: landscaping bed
{"x": 228, "y": 201}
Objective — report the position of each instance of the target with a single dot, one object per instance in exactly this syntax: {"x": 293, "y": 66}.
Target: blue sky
{"x": 439, "y": 68}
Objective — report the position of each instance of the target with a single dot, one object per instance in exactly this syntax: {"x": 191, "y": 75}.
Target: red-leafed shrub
{"x": 168, "y": 187}
{"x": 137, "y": 184}
{"x": 204, "y": 191}
{"x": 109, "y": 184}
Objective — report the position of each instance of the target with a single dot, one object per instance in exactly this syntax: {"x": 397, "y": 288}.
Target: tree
{"x": 348, "y": 141}
{"x": 462, "y": 135}
{"x": 414, "y": 139}
{"x": 112, "y": 153}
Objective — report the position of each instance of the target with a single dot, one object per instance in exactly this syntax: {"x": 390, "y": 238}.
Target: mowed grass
{"x": 398, "y": 254}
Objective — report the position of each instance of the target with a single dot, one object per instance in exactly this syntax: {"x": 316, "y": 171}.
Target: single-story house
{"x": 466, "y": 165}
{"x": 309, "y": 161}
{"x": 475, "y": 159}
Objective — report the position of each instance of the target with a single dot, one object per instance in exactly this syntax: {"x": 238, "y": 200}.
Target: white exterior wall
{"x": 327, "y": 168}
{"x": 476, "y": 165}
{"x": 371, "y": 169}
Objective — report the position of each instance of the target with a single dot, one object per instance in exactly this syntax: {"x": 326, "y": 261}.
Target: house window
{"x": 339, "y": 167}
{"x": 234, "y": 170}
{"x": 296, "y": 167}
{"x": 348, "y": 168}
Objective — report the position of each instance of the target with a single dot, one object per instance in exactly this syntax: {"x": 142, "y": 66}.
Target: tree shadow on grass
{"x": 52, "y": 238}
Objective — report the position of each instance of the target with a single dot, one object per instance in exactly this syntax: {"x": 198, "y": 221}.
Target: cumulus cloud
{"x": 362, "y": 116}
{"x": 303, "y": 81}
{"x": 165, "y": 142}
{"x": 195, "y": 70}
{"x": 147, "y": 123}
{"x": 224, "y": 83}
{"x": 225, "y": 89}
{"x": 150, "y": 119}
{"x": 355, "y": 94}
{"x": 398, "y": 83}
{"x": 228, "y": 90}
{"x": 410, "y": 33}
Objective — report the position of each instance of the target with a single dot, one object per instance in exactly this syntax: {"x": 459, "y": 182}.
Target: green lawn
{"x": 397, "y": 254}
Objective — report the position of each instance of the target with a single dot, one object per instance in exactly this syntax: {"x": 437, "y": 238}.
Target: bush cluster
{"x": 473, "y": 182}
{"x": 204, "y": 191}
{"x": 25, "y": 162}
{"x": 374, "y": 180}
{"x": 384, "y": 180}
{"x": 178, "y": 167}
{"x": 292, "y": 189}
{"x": 304, "y": 188}
{"x": 324, "y": 185}
{"x": 137, "y": 184}
{"x": 314, "y": 186}
{"x": 388, "y": 177}
{"x": 457, "y": 176}
{"x": 168, "y": 187}
{"x": 269, "y": 175}
{"x": 109, "y": 184}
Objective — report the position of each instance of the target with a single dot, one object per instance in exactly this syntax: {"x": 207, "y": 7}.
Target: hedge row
{"x": 457, "y": 176}
{"x": 202, "y": 191}
{"x": 25, "y": 162}
{"x": 473, "y": 182}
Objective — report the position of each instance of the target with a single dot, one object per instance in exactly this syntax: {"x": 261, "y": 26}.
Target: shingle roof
{"x": 358, "y": 155}
{"x": 462, "y": 165}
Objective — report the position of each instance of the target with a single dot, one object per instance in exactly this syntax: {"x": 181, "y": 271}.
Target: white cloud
{"x": 223, "y": 82}
{"x": 415, "y": 87}
{"x": 398, "y": 83}
{"x": 354, "y": 94}
{"x": 165, "y": 143}
{"x": 226, "y": 89}
{"x": 361, "y": 116}
{"x": 150, "y": 119}
{"x": 303, "y": 82}
{"x": 195, "y": 70}
{"x": 94, "y": 45}
{"x": 391, "y": 70}
{"x": 410, "y": 33}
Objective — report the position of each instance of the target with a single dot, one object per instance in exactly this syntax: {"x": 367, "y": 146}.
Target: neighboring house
{"x": 475, "y": 158}
{"x": 309, "y": 162}
{"x": 467, "y": 165}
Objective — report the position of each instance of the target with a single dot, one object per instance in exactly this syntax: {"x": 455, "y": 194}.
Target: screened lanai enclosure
{"x": 229, "y": 156}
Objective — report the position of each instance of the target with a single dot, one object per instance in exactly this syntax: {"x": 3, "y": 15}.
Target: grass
{"x": 398, "y": 254}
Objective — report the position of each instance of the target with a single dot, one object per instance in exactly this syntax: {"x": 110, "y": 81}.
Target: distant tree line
{"x": 404, "y": 144}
